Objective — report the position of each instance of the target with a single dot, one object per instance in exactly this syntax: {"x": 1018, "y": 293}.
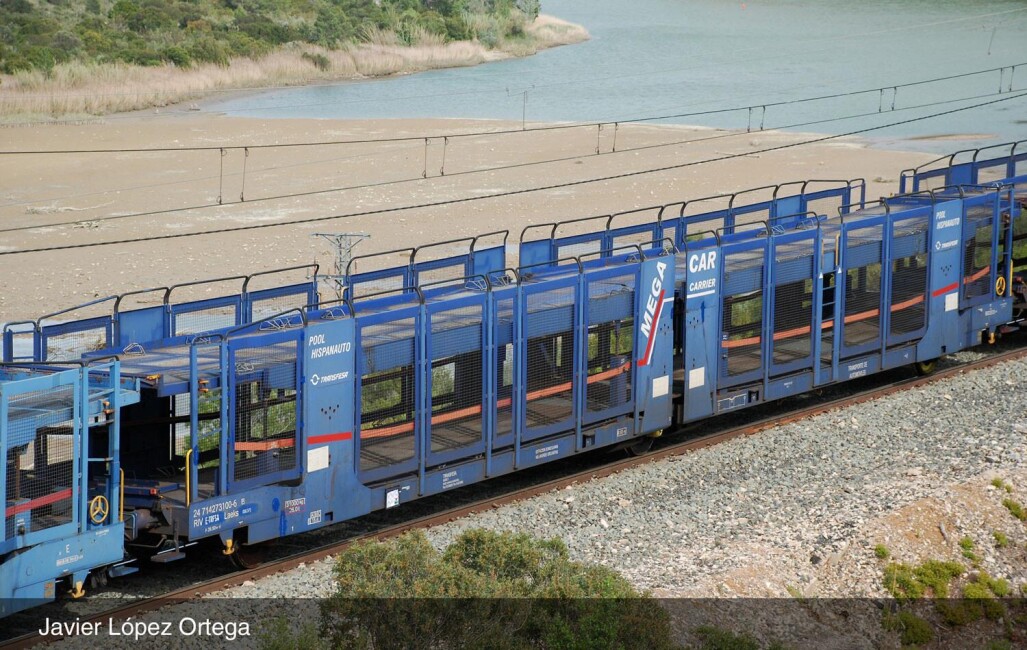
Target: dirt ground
{"x": 62, "y": 199}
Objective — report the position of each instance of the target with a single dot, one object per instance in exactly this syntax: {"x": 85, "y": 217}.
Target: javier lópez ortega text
{"x": 136, "y": 630}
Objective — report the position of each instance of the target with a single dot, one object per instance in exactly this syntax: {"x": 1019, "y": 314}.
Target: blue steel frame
{"x": 146, "y": 324}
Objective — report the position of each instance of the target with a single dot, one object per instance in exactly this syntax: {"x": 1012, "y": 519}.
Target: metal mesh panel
{"x": 72, "y": 345}
{"x": 386, "y": 398}
{"x": 827, "y": 206}
{"x": 267, "y": 307}
{"x": 22, "y": 343}
{"x": 793, "y": 307}
{"x": 621, "y": 243}
{"x": 908, "y": 302}
{"x": 205, "y": 320}
{"x": 991, "y": 173}
{"x": 451, "y": 272}
{"x": 456, "y": 382}
{"x": 550, "y": 357}
{"x": 931, "y": 182}
{"x": 670, "y": 231}
{"x": 977, "y": 253}
{"x": 505, "y": 369}
{"x": 742, "y": 316}
{"x": 379, "y": 285}
{"x": 610, "y": 342}
{"x": 1020, "y": 239}
{"x": 40, "y": 473}
{"x": 827, "y": 307}
{"x": 265, "y": 410}
{"x": 579, "y": 249}
{"x": 863, "y": 289}
{"x": 749, "y": 218}
{"x": 831, "y": 233}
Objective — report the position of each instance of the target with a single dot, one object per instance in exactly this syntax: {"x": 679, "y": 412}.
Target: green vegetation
{"x": 967, "y": 545}
{"x": 980, "y": 600}
{"x": 712, "y": 638}
{"x": 904, "y": 582}
{"x": 912, "y": 629}
{"x": 1020, "y": 246}
{"x": 1001, "y": 540}
{"x": 1015, "y": 509}
{"x": 39, "y": 35}
{"x": 999, "y": 483}
{"x": 881, "y": 552}
{"x": 486, "y": 590}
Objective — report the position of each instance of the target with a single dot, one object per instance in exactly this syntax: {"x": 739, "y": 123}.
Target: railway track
{"x": 669, "y": 449}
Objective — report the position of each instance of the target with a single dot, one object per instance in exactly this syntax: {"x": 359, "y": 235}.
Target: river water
{"x": 667, "y": 57}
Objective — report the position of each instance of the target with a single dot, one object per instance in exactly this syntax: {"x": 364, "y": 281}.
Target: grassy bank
{"x": 77, "y": 89}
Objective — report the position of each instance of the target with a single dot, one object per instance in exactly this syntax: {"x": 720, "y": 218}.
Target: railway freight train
{"x": 260, "y": 413}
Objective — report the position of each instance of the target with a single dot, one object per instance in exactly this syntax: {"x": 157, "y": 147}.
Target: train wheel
{"x": 249, "y": 556}
{"x": 924, "y": 368}
{"x": 641, "y": 446}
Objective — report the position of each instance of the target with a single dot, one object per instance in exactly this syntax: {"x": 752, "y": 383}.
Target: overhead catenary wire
{"x": 506, "y": 193}
{"x": 423, "y": 174}
{"x": 549, "y": 127}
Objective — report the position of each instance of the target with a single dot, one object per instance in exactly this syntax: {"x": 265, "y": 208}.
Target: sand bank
{"x": 68, "y": 199}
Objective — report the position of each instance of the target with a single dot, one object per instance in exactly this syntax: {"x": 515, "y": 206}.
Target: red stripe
{"x": 945, "y": 289}
{"x": 652, "y": 333}
{"x": 38, "y": 503}
{"x": 330, "y": 437}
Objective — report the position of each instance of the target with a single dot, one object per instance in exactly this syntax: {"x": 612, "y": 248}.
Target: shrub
{"x": 209, "y": 50}
{"x": 1001, "y": 540}
{"x": 912, "y": 629}
{"x": 177, "y": 55}
{"x": 712, "y": 638}
{"x": 960, "y": 612}
{"x": 905, "y": 582}
{"x": 488, "y": 589}
{"x": 1015, "y": 509}
{"x": 320, "y": 61}
{"x": 979, "y": 600}
{"x": 881, "y": 552}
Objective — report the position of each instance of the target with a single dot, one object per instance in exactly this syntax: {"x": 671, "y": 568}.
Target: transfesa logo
{"x": 653, "y": 307}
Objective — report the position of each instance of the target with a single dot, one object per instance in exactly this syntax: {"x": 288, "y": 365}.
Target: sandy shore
{"x": 67, "y": 199}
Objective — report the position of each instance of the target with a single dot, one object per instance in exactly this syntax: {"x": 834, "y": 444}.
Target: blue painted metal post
{"x": 422, "y": 392}
{"x": 489, "y": 372}
{"x": 579, "y": 374}
{"x": 227, "y": 437}
{"x": 79, "y": 482}
{"x": 817, "y": 320}
{"x": 519, "y": 393}
{"x": 769, "y": 293}
{"x": 194, "y": 422}
{"x": 114, "y": 440}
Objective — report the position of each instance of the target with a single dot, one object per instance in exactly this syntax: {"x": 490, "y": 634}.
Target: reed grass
{"x": 77, "y": 90}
